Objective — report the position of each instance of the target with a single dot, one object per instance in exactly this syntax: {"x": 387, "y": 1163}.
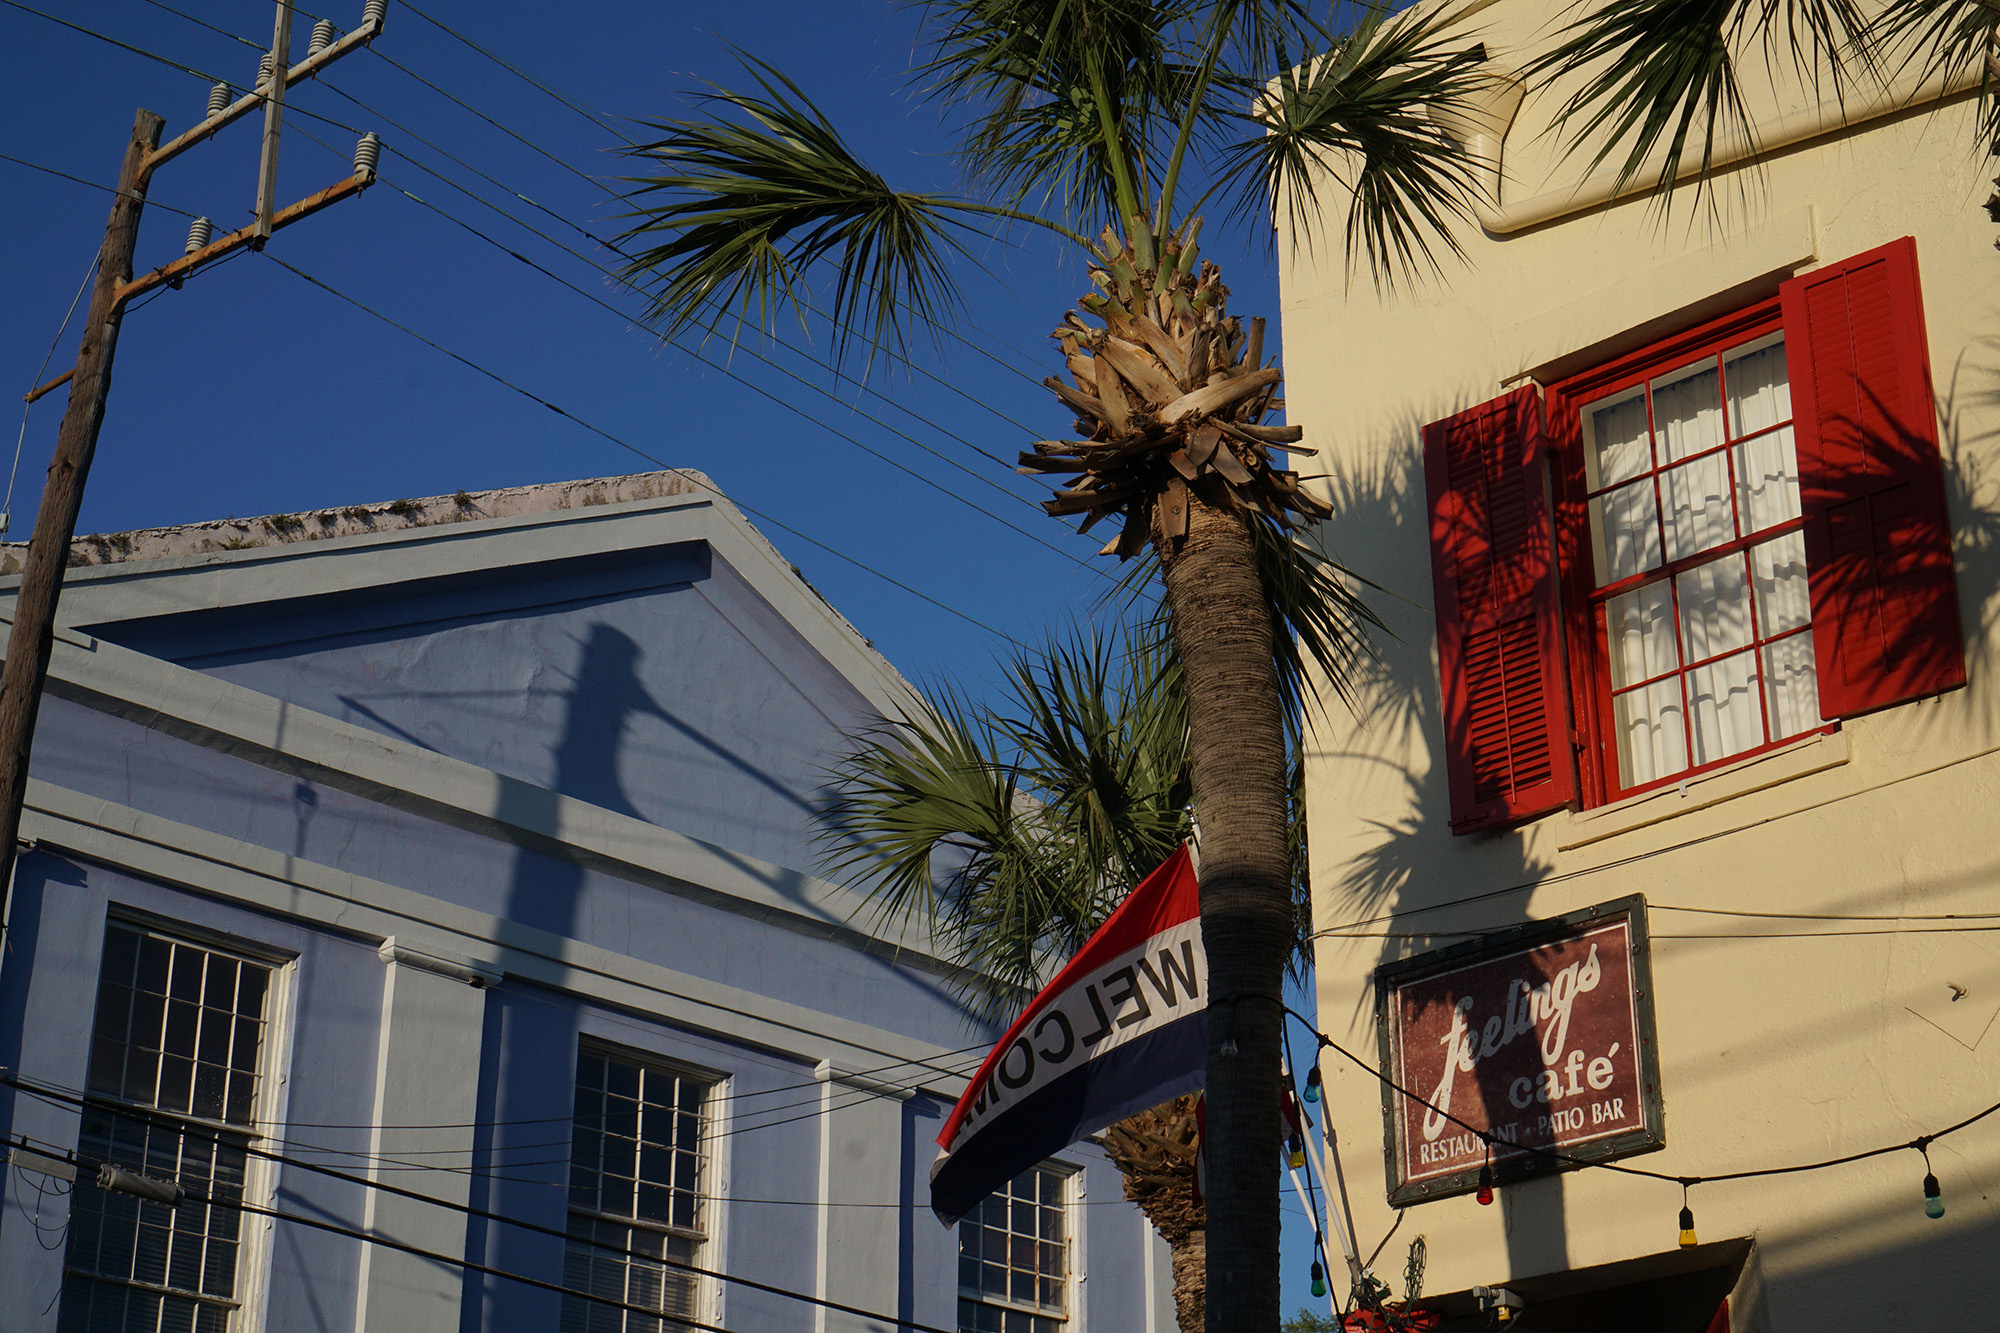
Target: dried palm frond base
{"x": 1155, "y": 1151}
{"x": 1170, "y": 391}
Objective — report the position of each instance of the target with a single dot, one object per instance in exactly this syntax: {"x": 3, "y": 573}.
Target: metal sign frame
{"x": 1391, "y": 977}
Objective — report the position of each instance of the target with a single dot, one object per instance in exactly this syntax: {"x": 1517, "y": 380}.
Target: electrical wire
{"x": 216, "y": 1137}
{"x": 595, "y": 118}
{"x": 375, "y": 1238}
{"x": 626, "y": 444}
{"x": 27, "y": 405}
{"x": 1066, "y": 554}
{"x": 749, "y": 350}
{"x": 609, "y": 126}
{"x": 147, "y": 200}
{"x": 1529, "y": 886}
{"x": 1920, "y": 1142}
{"x": 102, "y": 37}
{"x": 693, "y": 478}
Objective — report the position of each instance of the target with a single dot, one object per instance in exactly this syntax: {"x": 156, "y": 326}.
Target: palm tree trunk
{"x": 1190, "y": 1281}
{"x": 1237, "y": 754}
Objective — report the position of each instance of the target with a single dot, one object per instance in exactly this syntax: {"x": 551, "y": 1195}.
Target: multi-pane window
{"x": 636, "y": 1218}
{"x": 172, "y": 1093}
{"x": 1701, "y": 599}
{"x": 1013, "y": 1257}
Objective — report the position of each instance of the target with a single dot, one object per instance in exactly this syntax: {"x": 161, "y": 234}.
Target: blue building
{"x": 429, "y": 891}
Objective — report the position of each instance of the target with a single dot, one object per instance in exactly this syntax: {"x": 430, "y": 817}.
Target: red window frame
{"x": 1584, "y": 601}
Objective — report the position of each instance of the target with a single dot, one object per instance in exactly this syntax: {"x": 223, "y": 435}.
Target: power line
{"x": 626, "y": 444}
{"x": 1580, "y": 872}
{"x": 1918, "y": 1144}
{"x": 593, "y": 117}
{"x": 763, "y": 517}
{"x": 108, "y": 189}
{"x": 750, "y": 350}
{"x": 102, "y": 37}
{"x": 605, "y": 123}
{"x": 696, "y": 355}
{"x": 220, "y": 1137}
{"x": 375, "y": 1238}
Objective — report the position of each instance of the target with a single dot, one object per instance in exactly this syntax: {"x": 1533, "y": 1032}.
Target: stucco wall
{"x": 1781, "y": 1040}
{"x": 576, "y": 755}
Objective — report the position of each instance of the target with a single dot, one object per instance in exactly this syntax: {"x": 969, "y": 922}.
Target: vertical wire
{"x": 7, "y": 508}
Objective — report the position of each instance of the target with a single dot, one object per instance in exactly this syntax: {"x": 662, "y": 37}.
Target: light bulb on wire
{"x": 1312, "y": 1084}
{"x": 1319, "y": 1279}
{"x": 1295, "y": 1151}
{"x": 1933, "y": 1196}
{"x": 1485, "y": 1194}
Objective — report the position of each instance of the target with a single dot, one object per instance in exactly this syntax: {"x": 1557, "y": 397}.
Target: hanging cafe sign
{"x": 1541, "y": 1037}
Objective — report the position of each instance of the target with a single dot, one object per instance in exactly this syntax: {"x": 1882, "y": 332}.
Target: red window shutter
{"x": 1507, "y": 752}
{"x": 1878, "y": 543}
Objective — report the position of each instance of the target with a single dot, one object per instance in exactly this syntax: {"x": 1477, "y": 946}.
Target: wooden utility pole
{"x": 33, "y": 634}
{"x": 31, "y": 639}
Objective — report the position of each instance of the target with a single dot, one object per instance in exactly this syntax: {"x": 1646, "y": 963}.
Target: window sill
{"x": 1811, "y": 754}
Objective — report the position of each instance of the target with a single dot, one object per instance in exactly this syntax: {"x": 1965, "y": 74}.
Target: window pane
{"x": 1778, "y": 572}
{"x": 1728, "y": 715}
{"x": 1759, "y": 394}
{"x": 1640, "y": 628}
{"x": 1696, "y": 496}
{"x": 1651, "y": 732}
{"x": 624, "y": 1164}
{"x": 1791, "y": 686}
{"x": 1616, "y": 445}
{"x": 1714, "y": 608}
{"x": 1625, "y": 526}
{"x": 1767, "y": 480}
{"x": 187, "y": 1001}
{"x": 1687, "y": 412}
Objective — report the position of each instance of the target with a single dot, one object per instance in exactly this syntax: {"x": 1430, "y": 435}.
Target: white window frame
{"x": 1071, "y": 1178}
{"x": 260, "y": 1175}
{"x": 705, "y": 1235}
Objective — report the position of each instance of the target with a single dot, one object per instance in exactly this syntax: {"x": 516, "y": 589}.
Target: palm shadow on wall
{"x": 1407, "y": 862}
{"x": 1410, "y": 860}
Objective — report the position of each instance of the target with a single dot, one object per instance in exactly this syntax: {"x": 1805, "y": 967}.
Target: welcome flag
{"x": 1122, "y": 1027}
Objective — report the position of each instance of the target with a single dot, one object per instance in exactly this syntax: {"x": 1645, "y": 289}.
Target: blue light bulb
{"x": 1312, "y": 1084}
{"x": 1319, "y": 1279}
{"x": 1933, "y": 1198}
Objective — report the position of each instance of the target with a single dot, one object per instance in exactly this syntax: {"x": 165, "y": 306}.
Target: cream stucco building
{"x": 1721, "y": 586}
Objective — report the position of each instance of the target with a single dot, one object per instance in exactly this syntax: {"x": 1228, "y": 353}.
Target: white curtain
{"x": 1744, "y": 697}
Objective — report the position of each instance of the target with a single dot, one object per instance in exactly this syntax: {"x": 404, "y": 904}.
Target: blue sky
{"x": 253, "y": 392}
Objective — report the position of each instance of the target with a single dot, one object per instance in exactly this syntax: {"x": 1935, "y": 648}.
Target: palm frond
{"x": 1948, "y": 37}
{"x": 1040, "y": 80}
{"x": 1665, "y": 70}
{"x": 761, "y": 192}
{"x": 1317, "y": 615}
{"x": 1360, "y": 117}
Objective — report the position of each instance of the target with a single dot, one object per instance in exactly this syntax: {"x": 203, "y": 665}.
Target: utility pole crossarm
{"x": 244, "y": 105}
{"x": 178, "y": 270}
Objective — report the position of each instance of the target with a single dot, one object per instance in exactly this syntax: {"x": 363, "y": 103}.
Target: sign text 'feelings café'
{"x": 1541, "y": 1039}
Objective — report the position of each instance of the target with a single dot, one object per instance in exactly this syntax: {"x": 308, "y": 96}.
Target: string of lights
{"x": 1932, "y": 1194}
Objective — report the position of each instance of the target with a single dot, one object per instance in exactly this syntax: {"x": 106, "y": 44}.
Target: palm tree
{"x": 1090, "y": 119}
{"x": 1014, "y": 830}
{"x": 1654, "y": 72}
